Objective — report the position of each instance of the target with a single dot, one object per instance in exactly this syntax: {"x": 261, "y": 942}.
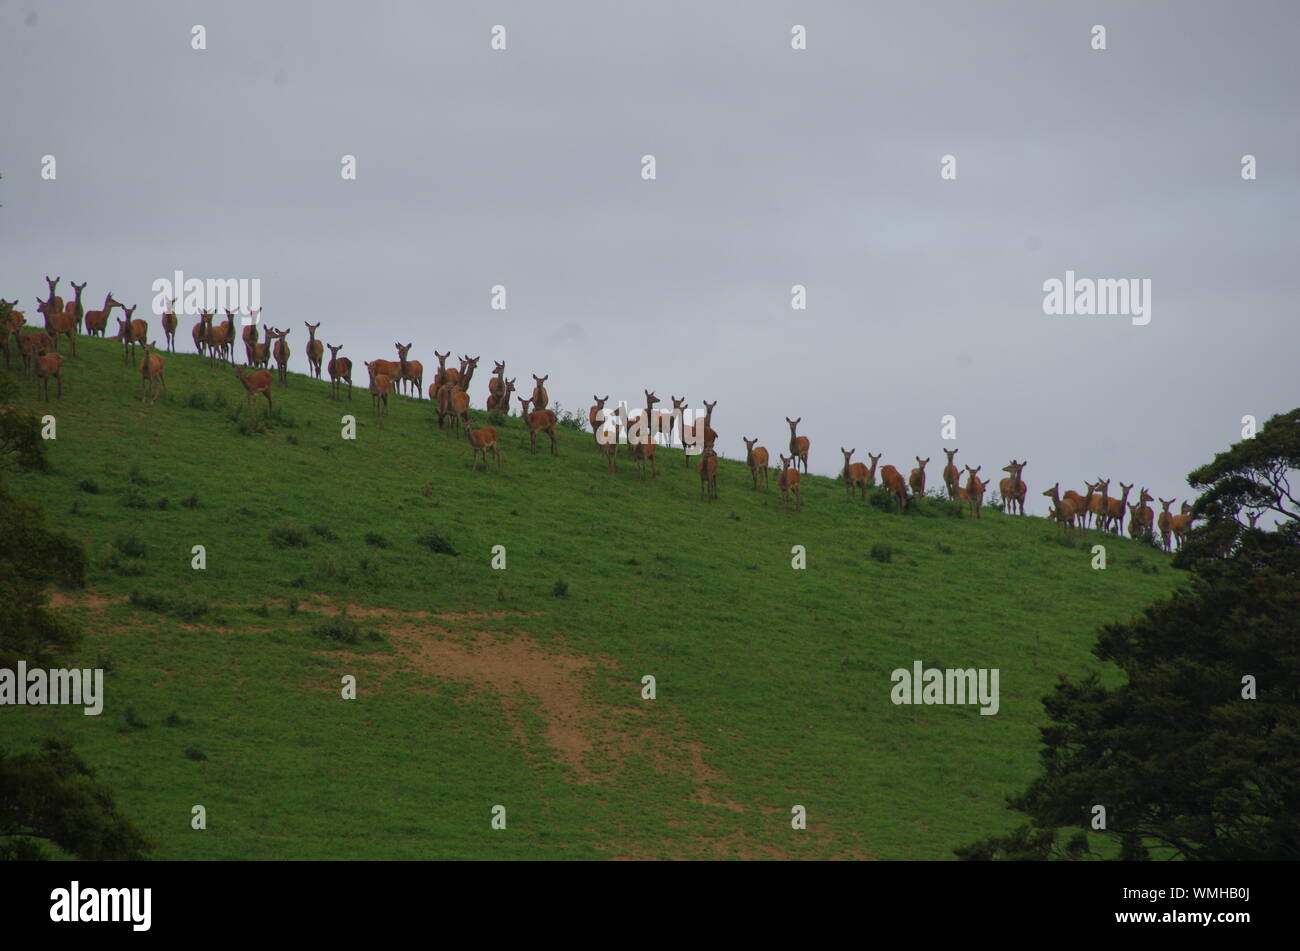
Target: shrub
{"x": 194, "y": 753}
{"x": 436, "y": 543}
{"x": 292, "y": 605}
{"x": 133, "y": 498}
{"x": 570, "y": 420}
{"x": 162, "y": 504}
{"x": 374, "y": 538}
{"x": 560, "y": 589}
{"x": 339, "y": 628}
{"x": 130, "y": 545}
{"x": 191, "y": 501}
{"x": 882, "y": 553}
{"x": 197, "y": 401}
{"x": 136, "y": 476}
{"x": 133, "y": 721}
{"x": 287, "y": 536}
{"x": 175, "y": 719}
{"x": 89, "y": 485}
{"x": 323, "y": 531}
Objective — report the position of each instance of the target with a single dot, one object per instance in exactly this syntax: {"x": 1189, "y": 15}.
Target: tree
{"x": 1198, "y": 753}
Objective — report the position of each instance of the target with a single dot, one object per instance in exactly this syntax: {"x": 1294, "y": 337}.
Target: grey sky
{"x": 775, "y": 168}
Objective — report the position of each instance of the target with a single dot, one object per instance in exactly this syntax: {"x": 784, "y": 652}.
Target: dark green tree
{"x": 1183, "y": 761}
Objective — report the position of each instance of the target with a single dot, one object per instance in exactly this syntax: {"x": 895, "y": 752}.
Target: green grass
{"x": 773, "y": 684}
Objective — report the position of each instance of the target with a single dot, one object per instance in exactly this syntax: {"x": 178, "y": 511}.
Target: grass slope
{"x": 773, "y": 684}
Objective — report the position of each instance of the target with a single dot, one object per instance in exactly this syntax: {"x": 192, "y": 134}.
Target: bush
{"x": 197, "y": 401}
{"x": 133, "y": 498}
{"x": 374, "y": 538}
{"x": 882, "y": 500}
{"x": 882, "y": 553}
{"x": 560, "y": 589}
{"x": 191, "y": 501}
{"x": 436, "y": 543}
{"x": 570, "y": 420}
{"x": 175, "y": 719}
{"x": 194, "y": 753}
{"x": 162, "y": 504}
{"x": 323, "y": 531}
{"x": 133, "y": 721}
{"x": 89, "y": 485}
{"x": 287, "y": 536}
{"x": 136, "y": 476}
{"x": 130, "y": 545}
{"x": 339, "y": 628}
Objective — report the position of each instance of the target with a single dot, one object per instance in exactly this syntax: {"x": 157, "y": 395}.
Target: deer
{"x": 756, "y": 459}
{"x": 1115, "y": 508}
{"x": 169, "y": 325}
{"x": 442, "y": 374}
{"x": 151, "y": 372}
{"x": 1180, "y": 525}
{"x": 893, "y": 482}
{"x": 1186, "y": 508}
{"x": 666, "y": 421}
{"x": 1096, "y": 508}
{"x": 974, "y": 491}
{"x": 222, "y": 337}
{"x": 468, "y": 365}
{"x": 381, "y": 385}
{"x": 248, "y": 334}
{"x": 315, "y": 349}
{"x": 74, "y": 306}
{"x": 281, "y": 354}
{"x": 540, "y": 397}
{"x": 1163, "y": 520}
{"x": 871, "y": 469}
{"x": 1065, "y": 510}
{"x": 798, "y": 444}
{"x": 97, "y": 320}
{"x": 1134, "y": 519}
{"x": 262, "y": 351}
{"x": 63, "y": 323}
{"x": 596, "y": 416}
{"x": 497, "y": 384}
{"x": 216, "y": 336}
{"x": 259, "y": 381}
{"x": 608, "y": 443}
{"x": 340, "y": 368}
{"x": 643, "y": 445}
{"x": 854, "y": 474}
{"x": 787, "y": 480}
{"x": 459, "y": 401}
{"x": 411, "y": 371}
{"x": 1145, "y": 514}
{"x": 951, "y": 477}
{"x": 31, "y": 346}
{"x": 49, "y": 365}
{"x": 916, "y": 478}
{"x": 1012, "y": 489}
{"x": 538, "y": 421}
{"x": 56, "y": 302}
{"x": 200, "y": 333}
{"x": 482, "y": 440}
{"x": 131, "y": 331}
{"x": 708, "y": 470}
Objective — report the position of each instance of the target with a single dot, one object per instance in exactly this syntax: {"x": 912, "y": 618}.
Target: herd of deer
{"x": 450, "y": 392}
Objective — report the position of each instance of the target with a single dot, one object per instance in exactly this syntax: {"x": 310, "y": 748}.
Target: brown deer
{"x": 168, "y": 325}
{"x": 248, "y": 334}
{"x": 340, "y": 368}
{"x": 442, "y": 374}
{"x": 56, "y": 302}
{"x": 668, "y": 420}
{"x": 708, "y": 470}
{"x": 1181, "y": 524}
{"x": 643, "y": 444}
{"x": 798, "y": 444}
{"x": 200, "y": 332}
{"x": 281, "y": 354}
{"x": 916, "y": 478}
{"x": 131, "y": 331}
{"x": 1115, "y": 508}
{"x": 221, "y": 338}
{"x": 1146, "y": 515}
{"x": 49, "y": 365}
{"x": 756, "y": 459}
{"x": 538, "y": 421}
{"x": 596, "y": 416}
{"x": 411, "y": 371}
{"x": 381, "y": 385}
{"x": 74, "y": 306}
{"x": 151, "y": 373}
{"x": 974, "y": 490}
{"x": 468, "y": 364}
{"x": 540, "y": 397}
{"x": 497, "y": 385}
{"x": 31, "y": 346}
{"x": 1011, "y": 489}
{"x": 871, "y": 469}
{"x": 482, "y": 440}
{"x": 63, "y": 323}
{"x": 97, "y": 320}
{"x": 894, "y": 484}
{"x": 1163, "y": 520}
{"x": 259, "y": 381}
{"x": 951, "y": 477}
{"x": 315, "y": 350}
{"x": 608, "y": 443}
{"x": 854, "y": 474}
{"x": 262, "y": 351}
{"x": 1065, "y": 510}
{"x": 787, "y": 480}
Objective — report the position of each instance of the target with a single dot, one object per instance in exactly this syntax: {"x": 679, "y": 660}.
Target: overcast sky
{"x": 775, "y": 167}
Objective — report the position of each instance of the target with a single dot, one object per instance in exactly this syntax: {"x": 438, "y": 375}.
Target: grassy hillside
{"x": 480, "y": 687}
